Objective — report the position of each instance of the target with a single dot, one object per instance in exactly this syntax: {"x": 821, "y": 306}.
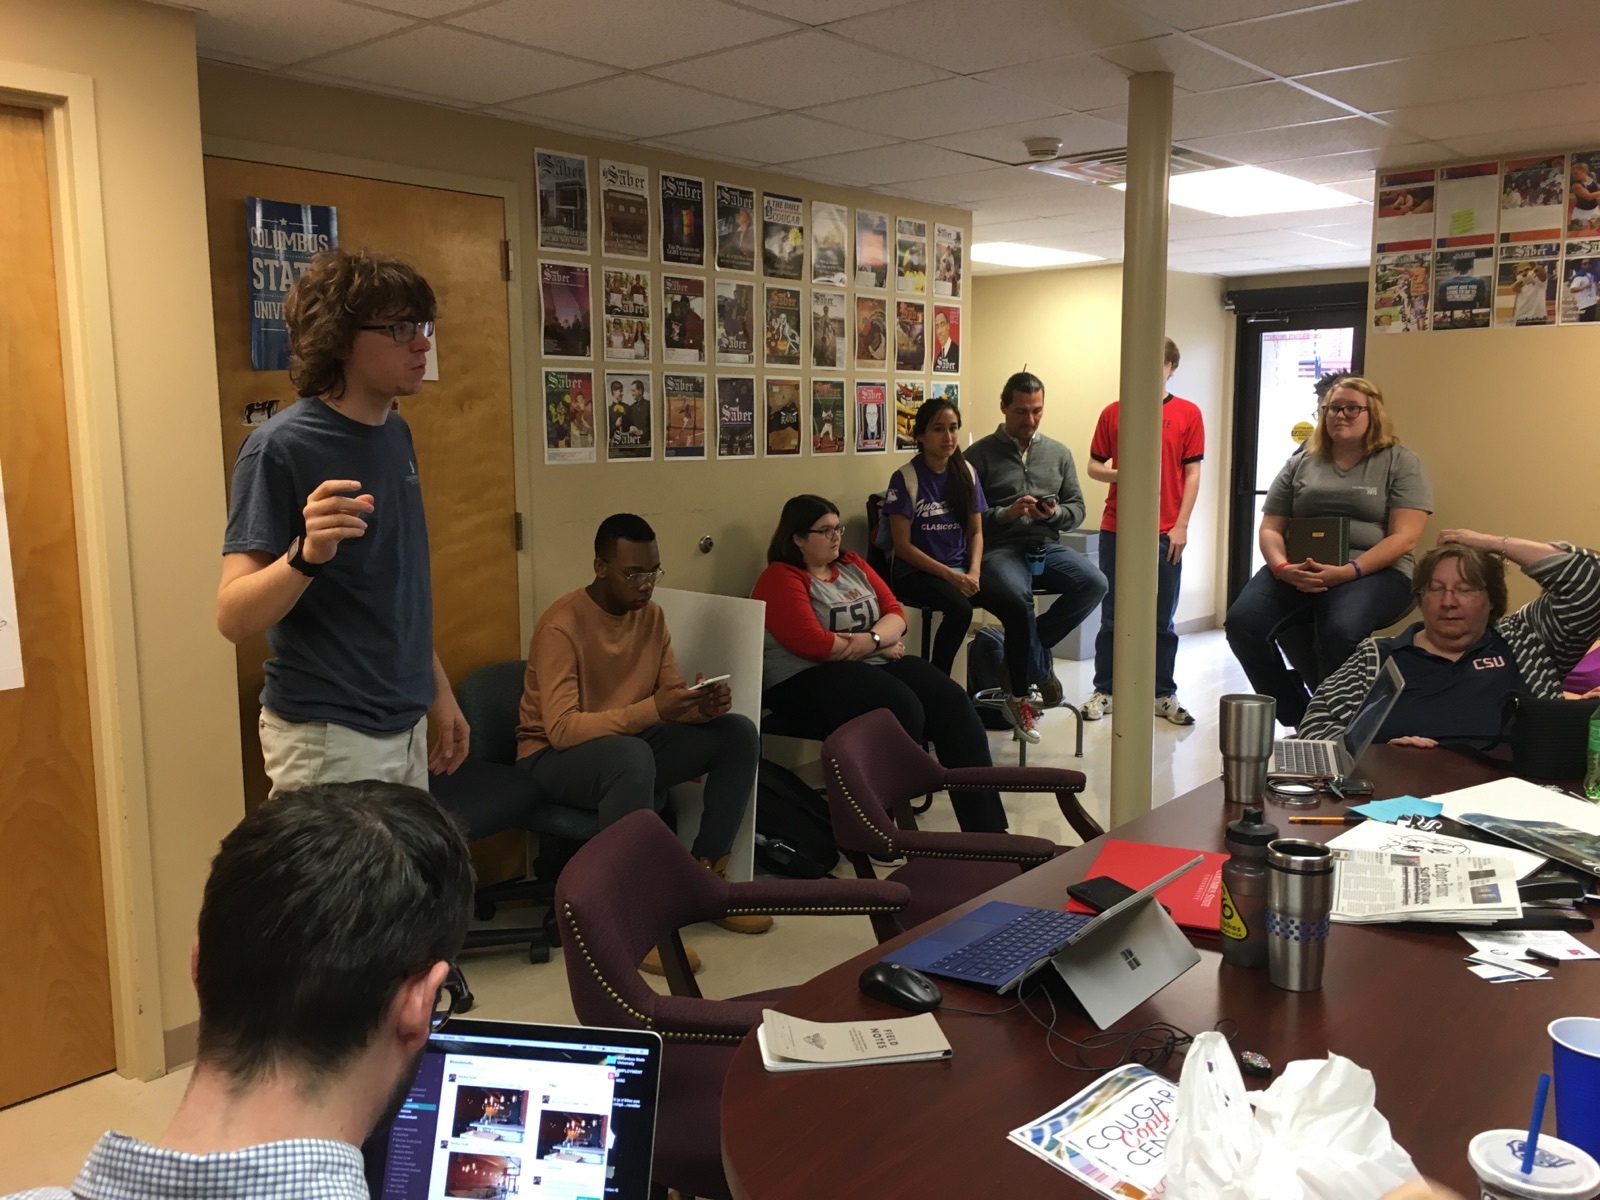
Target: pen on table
{"x": 1347, "y": 819}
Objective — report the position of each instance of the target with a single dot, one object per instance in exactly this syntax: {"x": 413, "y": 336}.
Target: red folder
{"x": 1194, "y": 898}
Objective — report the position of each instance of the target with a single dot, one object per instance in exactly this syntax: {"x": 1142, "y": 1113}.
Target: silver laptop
{"x": 1298, "y": 758}
{"x": 1120, "y": 964}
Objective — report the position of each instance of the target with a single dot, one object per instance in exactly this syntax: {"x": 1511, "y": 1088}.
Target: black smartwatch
{"x": 876, "y": 640}
{"x": 297, "y": 559}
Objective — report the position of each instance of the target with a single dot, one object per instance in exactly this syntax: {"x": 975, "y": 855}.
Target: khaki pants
{"x": 299, "y": 754}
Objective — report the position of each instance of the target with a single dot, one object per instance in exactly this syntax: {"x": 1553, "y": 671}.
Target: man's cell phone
{"x": 1045, "y": 503}
{"x": 1100, "y": 892}
{"x": 705, "y": 683}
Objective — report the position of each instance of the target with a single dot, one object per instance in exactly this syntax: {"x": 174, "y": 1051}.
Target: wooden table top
{"x": 1452, "y": 1054}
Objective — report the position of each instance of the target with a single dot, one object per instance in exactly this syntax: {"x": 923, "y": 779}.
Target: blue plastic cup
{"x": 1575, "y": 1043}
{"x": 1034, "y": 556}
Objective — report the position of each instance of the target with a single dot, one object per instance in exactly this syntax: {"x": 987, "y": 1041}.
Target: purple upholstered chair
{"x": 873, "y": 768}
{"x": 633, "y": 886}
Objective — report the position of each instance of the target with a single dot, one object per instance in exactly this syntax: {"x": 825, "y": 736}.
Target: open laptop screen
{"x": 1364, "y": 726}
{"x": 499, "y": 1109}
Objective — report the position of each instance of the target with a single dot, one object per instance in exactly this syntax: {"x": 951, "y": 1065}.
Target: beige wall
{"x": 1065, "y": 326}
{"x": 141, "y": 60}
{"x": 736, "y": 503}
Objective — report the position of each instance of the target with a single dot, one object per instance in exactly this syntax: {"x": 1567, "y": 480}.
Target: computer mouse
{"x": 903, "y": 987}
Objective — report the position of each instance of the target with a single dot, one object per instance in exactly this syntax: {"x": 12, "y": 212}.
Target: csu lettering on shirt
{"x": 1488, "y": 664}
{"x": 855, "y": 611}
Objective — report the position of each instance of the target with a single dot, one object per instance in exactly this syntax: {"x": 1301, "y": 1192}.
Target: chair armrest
{"x": 983, "y": 847}
{"x": 816, "y": 897}
{"x": 1017, "y": 779}
{"x": 691, "y": 1019}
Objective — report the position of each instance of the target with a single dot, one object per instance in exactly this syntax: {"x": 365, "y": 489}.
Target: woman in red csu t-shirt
{"x": 834, "y": 651}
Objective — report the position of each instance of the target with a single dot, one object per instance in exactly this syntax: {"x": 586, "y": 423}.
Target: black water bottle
{"x": 1244, "y": 890}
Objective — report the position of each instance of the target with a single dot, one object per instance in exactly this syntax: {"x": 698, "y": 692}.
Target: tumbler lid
{"x": 1300, "y": 857}
{"x": 1251, "y": 829}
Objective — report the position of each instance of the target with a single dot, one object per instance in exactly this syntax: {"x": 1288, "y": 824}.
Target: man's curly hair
{"x": 339, "y": 291}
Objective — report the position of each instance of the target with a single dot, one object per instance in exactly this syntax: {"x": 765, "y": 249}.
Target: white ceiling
{"x": 930, "y": 99}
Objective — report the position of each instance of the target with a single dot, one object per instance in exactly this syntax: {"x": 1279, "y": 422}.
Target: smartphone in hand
{"x": 705, "y": 683}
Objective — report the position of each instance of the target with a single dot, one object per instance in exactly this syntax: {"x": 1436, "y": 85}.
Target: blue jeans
{"x": 1068, "y": 575}
{"x": 1169, "y": 578}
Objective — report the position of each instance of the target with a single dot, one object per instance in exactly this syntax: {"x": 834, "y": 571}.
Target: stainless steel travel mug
{"x": 1299, "y": 899}
{"x": 1246, "y": 725}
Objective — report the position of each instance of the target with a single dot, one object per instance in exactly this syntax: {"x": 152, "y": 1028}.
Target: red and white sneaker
{"x": 1024, "y": 719}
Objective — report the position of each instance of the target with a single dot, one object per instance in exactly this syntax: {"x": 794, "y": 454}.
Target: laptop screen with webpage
{"x": 1374, "y": 710}
{"x": 500, "y": 1109}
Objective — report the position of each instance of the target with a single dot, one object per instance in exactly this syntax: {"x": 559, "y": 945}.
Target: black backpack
{"x": 794, "y": 835}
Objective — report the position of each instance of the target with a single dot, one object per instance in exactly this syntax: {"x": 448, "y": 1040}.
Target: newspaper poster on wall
{"x": 281, "y": 239}
{"x": 683, "y": 220}
{"x": 1526, "y": 289}
{"x": 563, "y": 201}
{"x": 624, "y": 210}
{"x": 910, "y": 255}
{"x": 782, "y": 327}
{"x": 1531, "y": 195}
{"x": 783, "y": 417}
{"x": 908, "y": 397}
{"x": 872, "y": 249}
{"x": 872, "y": 418}
{"x": 830, "y": 339}
{"x": 946, "y": 339}
{"x": 828, "y": 434}
{"x": 946, "y": 391}
{"x": 1401, "y": 298}
{"x": 910, "y": 335}
{"x": 736, "y": 228}
{"x": 683, "y": 319}
{"x": 564, "y": 296}
{"x": 1405, "y": 210}
{"x": 783, "y": 236}
{"x": 683, "y": 416}
{"x": 568, "y": 417}
{"x": 1583, "y": 195}
{"x": 872, "y": 331}
{"x": 1463, "y": 287}
{"x": 1579, "y": 292}
{"x": 626, "y": 299}
{"x": 736, "y": 416}
{"x": 628, "y": 417}
{"x": 10, "y": 638}
{"x": 830, "y": 243}
{"x": 947, "y": 261}
{"x": 1467, "y": 205}
{"x": 736, "y": 306}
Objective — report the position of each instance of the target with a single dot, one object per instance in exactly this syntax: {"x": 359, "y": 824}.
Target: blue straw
{"x": 1532, "y": 1144}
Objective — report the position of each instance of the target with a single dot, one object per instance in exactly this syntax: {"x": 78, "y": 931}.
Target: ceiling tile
{"x": 772, "y": 72}
{"x": 929, "y": 110}
{"x": 549, "y": 123}
{"x": 1523, "y": 142}
{"x": 1187, "y": 15}
{"x": 1302, "y": 141}
{"x": 285, "y": 32}
{"x": 1194, "y": 67}
{"x": 1003, "y": 143}
{"x": 1074, "y": 81}
{"x": 1356, "y": 164}
{"x": 781, "y": 137}
{"x": 383, "y": 89}
{"x": 1459, "y": 74}
{"x": 427, "y": 9}
{"x": 1237, "y": 110}
{"x": 968, "y": 37}
{"x": 629, "y": 33}
{"x": 889, "y": 164}
{"x": 1495, "y": 114}
{"x": 992, "y": 183}
{"x": 819, "y": 12}
{"x": 635, "y": 106}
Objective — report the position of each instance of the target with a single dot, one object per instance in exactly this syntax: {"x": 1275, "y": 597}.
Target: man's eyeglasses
{"x": 641, "y": 579}
{"x": 1461, "y": 591}
{"x": 453, "y": 998}
{"x": 831, "y": 532}
{"x": 404, "y": 331}
{"x": 1352, "y": 411}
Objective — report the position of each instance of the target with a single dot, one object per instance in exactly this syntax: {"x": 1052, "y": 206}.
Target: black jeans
{"x": 924, "y": 701}
{"x": 921, "y": 590}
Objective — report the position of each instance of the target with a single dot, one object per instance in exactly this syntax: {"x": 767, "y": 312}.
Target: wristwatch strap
{"x": 298, "y": 562}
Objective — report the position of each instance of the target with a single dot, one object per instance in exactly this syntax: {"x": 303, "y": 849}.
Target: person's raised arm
{"x": 1565, "y": 615}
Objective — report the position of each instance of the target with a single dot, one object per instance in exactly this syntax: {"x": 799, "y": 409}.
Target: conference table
{"x": 1452, "y": 1054}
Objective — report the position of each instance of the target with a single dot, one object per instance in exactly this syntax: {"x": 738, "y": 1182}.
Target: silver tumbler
{"x": 1246, "y": 728}
{"x": 1299, "y": 899}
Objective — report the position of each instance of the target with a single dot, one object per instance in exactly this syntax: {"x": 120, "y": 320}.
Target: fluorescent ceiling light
{"x": 1015, "y": 254}
{"x": 1250, "y": 192}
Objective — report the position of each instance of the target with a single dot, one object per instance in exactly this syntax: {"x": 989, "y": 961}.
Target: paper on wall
{"x": 10, "y": 641}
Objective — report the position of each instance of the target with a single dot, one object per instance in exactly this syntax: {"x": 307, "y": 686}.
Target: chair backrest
{"x": 871, "y": 764}
{"x": 490, "y": 698}
{"x": 876, "y": 558}
{"x": 630, "y": 887}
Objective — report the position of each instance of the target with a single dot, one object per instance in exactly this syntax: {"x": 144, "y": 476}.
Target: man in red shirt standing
{"x": 1183, "y": 445}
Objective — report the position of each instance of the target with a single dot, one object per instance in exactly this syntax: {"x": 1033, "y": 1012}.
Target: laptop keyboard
{"x": 1304, "y": 758}
{"x": 1023, "y": 940}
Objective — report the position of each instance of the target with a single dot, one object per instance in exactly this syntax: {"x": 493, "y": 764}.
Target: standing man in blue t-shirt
{"x": 326, "y": 549}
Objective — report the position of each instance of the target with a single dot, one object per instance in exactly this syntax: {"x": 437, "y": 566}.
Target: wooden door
{"x": 52, "y": 910}
{"x": 461, "y": 424}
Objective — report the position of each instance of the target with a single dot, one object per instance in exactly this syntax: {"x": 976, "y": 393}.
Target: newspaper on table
{"x": 1372, "y": 886}
{"x": 1399, "y": 839}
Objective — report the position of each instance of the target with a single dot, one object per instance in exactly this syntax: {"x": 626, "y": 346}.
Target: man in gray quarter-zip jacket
{"x": 1034, "y": 497}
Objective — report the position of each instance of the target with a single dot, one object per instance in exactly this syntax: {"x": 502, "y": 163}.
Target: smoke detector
{"x": 1111, "y": 166}
{"x": 1042, "y": 148}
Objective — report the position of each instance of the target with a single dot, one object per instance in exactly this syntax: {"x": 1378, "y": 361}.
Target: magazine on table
{"x": 1112, "y": 1136}
{"x": 1373, "y": 886}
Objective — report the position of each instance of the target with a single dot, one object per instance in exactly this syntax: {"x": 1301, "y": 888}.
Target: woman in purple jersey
{"x": 934, "y": 506}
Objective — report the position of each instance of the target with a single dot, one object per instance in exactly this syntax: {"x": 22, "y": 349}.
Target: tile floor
{"x": 43, "y": 1141}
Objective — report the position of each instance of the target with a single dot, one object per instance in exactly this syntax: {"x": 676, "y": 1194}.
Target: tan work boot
{"x": 652, "y": 961}
{"x": 750, "y": 924}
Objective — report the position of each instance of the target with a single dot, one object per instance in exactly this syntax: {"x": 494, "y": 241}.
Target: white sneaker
{"x": 1096, "y": 706}
{"x": 1168, "y": 707}
{"x": 1023, "y": 719}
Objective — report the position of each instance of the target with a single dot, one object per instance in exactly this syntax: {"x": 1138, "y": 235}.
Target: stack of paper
{"x": 1399, "y": 839}
{"x": 1372, "y": 886}
{"x": 790, "y": 1044}
{"x": 1548, "y": 822}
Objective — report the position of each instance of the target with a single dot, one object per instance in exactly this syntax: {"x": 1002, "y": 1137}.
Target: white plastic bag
{"x": 1313, "y": 1135}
